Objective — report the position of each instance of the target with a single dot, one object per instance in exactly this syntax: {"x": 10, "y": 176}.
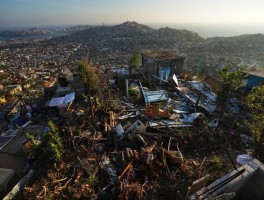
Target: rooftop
{"x": 256, "y": 72}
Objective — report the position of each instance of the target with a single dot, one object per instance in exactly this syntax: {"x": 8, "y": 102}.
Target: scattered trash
{"x": 119, "y": 132}
{"x": 245, "y": 138}
{"x": 119, "y": 141}
{"x": 138, "y": 126}
{"x": 243, "y": 159}
{"x": 106, "y": 165}
{"x": 214, "y": 123}
{"x": 190, "y": 118}
{"x": 174, "y": 157}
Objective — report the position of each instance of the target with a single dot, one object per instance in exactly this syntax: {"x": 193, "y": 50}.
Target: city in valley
{"x": 128, "y": 111}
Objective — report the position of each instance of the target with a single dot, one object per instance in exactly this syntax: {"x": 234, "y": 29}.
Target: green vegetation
{"x": 51, "y": 148}
{"x": 54, "y": 145}
{"x": 88, "y": 75}
{"x": 132, "y": 91}
{"x": 33, "y": 142}
{"x": 134, "y": 62}
{"x": 92, "y": 180}
{"x": 49, "y": 197}
{"x": 232, "y": 79}
{"x": 255, "y": 104}
{"x": 218, "y": 160}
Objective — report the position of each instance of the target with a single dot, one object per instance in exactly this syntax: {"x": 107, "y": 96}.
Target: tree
{"x": 134, "y": 62}
{"x": 231, "y": 79}
{"x": 255, "y": 104}
{"x": 88, "y": 75}
{"x": 51, "y": 147}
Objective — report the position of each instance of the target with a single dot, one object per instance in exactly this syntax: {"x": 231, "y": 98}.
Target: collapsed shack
{"x": 152, "y": 144}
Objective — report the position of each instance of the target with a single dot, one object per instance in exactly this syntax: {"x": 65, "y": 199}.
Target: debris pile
{"x": 151, "y": 144}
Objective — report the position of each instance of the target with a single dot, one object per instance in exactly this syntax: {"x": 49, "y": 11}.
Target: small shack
{"x": 161, "y": 64}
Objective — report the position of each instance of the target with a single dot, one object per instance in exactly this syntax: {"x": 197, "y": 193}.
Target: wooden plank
{"x": 85, "y": 164}
{"x": 197, "y": 185}
{"x": 126, "y": 169}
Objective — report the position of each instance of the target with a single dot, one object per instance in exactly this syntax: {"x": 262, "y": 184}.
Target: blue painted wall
{"x": 254, "y": 81}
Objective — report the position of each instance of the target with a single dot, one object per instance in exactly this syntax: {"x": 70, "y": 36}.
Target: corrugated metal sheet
{"x": 155, "y": 96}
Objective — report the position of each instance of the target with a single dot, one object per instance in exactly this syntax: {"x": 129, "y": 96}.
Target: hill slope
{"x": 202, "y": 54}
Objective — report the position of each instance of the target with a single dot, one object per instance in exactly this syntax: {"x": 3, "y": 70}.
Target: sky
{"x": 17, "y": 13}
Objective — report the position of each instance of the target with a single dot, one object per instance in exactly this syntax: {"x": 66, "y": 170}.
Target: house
{"x": 213, "y": 83}
{"x": 2, "y": 100}
{"x": 161, "y": 64}
{"x": 13, "y": 89}
{"x": 254, "y": 77}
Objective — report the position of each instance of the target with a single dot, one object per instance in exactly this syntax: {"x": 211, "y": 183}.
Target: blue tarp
{"x": 56, "y": 101}
{"x": 69, "y": 98}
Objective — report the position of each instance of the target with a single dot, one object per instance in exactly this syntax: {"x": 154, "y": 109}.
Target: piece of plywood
{"x": 197, "y": 185}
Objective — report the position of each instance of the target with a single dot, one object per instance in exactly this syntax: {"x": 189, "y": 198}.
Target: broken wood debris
{"x": 127, "y": 149}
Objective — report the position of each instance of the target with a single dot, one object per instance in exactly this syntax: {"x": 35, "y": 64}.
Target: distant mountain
{"x": 28, "y": 32}
{"x": 130, "y": 29}
{"x": 43, "y": 31}
{"x": 215, "y": 52}
{"x": 133, "y": 36}
{"x": 78, "y": 28}
{"x": 202, "y": 54}
{"x": 173, "y": 38}
{"x": 127, "y": 29}
{"x": 244, "y": 42}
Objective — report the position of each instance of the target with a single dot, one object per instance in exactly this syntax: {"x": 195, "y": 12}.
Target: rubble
{"x": 152, "y": 144}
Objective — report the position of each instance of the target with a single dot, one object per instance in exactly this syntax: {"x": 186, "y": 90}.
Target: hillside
{"x": 212, "y": 53}
{"x": 202, "y": 54}
{"x": 134, "y": 35}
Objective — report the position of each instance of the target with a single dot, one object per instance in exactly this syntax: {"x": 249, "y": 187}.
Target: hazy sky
{"x": 61, "y": 12}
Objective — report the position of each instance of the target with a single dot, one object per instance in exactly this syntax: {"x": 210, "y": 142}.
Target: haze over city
{"x": 131, "y": 99}
{"x": 207, "y": 17}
